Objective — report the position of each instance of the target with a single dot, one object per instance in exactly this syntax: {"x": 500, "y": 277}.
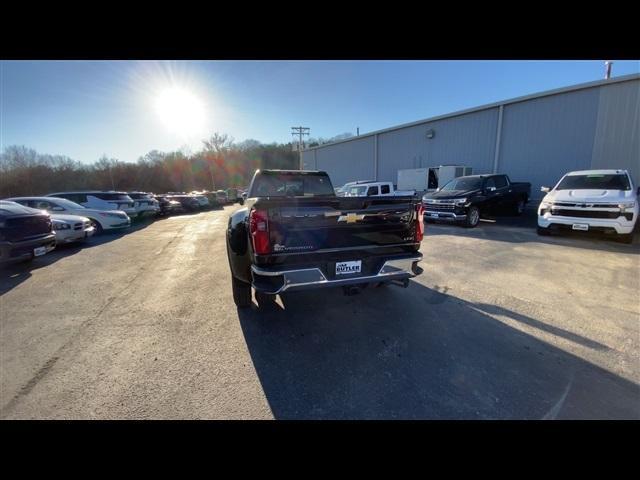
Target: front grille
{"x": 22, "y": 228}
{"x": 439, "y": 207}
{"x": 591, "y": 205}
{"x": 585, "y": 213}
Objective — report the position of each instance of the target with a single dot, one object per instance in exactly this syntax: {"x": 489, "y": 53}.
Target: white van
{"x": 101, "y": 200}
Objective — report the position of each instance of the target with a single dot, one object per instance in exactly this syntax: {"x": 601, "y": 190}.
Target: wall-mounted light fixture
{"x": 431, "y": 133}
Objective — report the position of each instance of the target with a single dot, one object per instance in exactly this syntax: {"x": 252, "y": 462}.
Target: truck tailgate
{"x": 307, "y": 225}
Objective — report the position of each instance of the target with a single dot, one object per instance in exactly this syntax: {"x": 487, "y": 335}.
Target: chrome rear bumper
{"x": 444, "y": 216}
{"x": 278, "y": 281}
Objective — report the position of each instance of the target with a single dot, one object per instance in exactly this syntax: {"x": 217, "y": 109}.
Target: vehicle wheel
{"x": 625, "y": 238}
{"x": 473, "y": 217}
{"x": 518, "y": 207}
{"x": 265, "y": 300}
{"x": 241, "y": 293}
{"x": 95, "y": 224}
{"x": 543, "y": 231}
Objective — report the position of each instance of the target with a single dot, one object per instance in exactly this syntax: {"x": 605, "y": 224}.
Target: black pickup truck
{"x": 294, "y": 233}
{"x": 25, "y": 233}
{"x": 466, "y": 199}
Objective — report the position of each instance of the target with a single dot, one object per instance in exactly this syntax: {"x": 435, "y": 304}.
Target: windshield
{"x": 594, "y": 182}
{"x": 110, "y": 197}
{"x": 462, "y": 183}
{"x": 66, "y": 204}
{"x": 357, "y": 191}
{"x": 293, "y": 186}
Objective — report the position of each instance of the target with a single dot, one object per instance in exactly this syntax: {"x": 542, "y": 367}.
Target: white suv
{"x": 145, "y": 204}
{"x": 597, "y": 200}
{"x": 101, "y": 200}
{"x": 100, "y": 219}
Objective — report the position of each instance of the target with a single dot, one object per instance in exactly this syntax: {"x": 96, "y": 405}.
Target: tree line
{"x": 220, "y": 164}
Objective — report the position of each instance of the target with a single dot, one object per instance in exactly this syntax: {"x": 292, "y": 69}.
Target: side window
{"x": 501, "y": 181}
{"x": 42, "y": 205}
{"x": 489, "y": 183}
{"x": 384, "y": 189}
{"x": 372, "y": 191}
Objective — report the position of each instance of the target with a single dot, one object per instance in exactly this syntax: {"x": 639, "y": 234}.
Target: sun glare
{"x": 181, "y": 111}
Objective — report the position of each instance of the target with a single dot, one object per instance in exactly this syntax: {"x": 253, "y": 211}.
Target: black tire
{"x": 265, "y": 300}
{"x": 96, "y": 224}
{"x": 518, "y": 207}
{"x": 543, "y": 231}
{"x": 625, "y": 238}
{"x": 241, "y": 293}
{"x": 473, "y": 217}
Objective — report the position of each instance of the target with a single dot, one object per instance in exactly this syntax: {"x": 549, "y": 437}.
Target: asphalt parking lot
{"x": 503, "y": 324}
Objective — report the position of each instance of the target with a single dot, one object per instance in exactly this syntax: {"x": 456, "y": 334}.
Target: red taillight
{"x": 419, "y": 222}
{"x": 259, "y": 228}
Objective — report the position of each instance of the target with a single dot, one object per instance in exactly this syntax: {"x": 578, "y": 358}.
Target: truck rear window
{"x": 594, "y": 182}
{"x": 271, "y": 185}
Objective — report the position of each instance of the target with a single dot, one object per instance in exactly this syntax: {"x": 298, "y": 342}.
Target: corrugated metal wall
{"x": 544, "y": 138}
{"x": 541, "y": 139}
{"x": 617, "y": 136}
{"x": 344, "y": 162}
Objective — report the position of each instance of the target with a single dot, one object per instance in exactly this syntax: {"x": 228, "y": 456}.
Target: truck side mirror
{"x": 545, "y": 189}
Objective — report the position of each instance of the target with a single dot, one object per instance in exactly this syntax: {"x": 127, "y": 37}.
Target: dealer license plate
{"x": 434, "y": 215}
{"x": 344, "y": 268}
{"x": 580, "y": 226}
{"x": 39, "y": 251}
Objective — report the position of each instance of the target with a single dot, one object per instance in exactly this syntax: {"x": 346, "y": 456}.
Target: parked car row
{"x": 33, "y": 226}
{"x": 590, "y": 200}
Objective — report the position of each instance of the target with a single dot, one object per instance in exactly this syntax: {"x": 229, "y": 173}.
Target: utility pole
{"x": 300, "y": 131}
{"x": 607, "y": 69}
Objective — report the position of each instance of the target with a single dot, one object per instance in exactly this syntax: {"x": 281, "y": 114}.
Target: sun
{"x": 180, "y": 111}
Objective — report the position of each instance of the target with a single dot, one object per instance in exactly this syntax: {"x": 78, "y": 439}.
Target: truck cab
{"x": 375, "y": 189}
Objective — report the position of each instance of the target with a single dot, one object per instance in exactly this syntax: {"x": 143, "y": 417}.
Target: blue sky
{"x": 84, "y": 109}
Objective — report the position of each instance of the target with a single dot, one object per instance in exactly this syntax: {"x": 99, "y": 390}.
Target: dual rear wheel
{"x": 242, "y": 295}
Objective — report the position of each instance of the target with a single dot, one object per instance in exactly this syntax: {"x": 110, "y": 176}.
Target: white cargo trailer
{"x": 432, "y": 178}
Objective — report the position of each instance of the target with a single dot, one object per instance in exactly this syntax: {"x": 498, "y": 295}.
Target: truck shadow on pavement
{"x": 420, "y": 353}
{"x": 523, "y": 230}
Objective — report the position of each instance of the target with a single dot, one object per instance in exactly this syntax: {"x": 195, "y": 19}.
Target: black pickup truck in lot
{"x": 466, "y": 199}
{"x": 294, "y": 233}
{"x": 25, "y": 233}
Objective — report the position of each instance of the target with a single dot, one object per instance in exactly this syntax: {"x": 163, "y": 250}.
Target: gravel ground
{"x": 503, "y": 324}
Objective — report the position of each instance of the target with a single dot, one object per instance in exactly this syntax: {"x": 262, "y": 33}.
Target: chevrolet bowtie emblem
{"x": 351, "y": 217}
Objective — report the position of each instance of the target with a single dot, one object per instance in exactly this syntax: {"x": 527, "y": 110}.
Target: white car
{"x": 591, "y": 200}
{"x": 106, "y": 220}
{"x": 145, "y": 204}
{"x": 101, "y": 200}
{"x": 71, "y": 228}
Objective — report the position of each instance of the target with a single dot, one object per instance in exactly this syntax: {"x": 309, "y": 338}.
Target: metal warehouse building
{"x": 536, "y": 138}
